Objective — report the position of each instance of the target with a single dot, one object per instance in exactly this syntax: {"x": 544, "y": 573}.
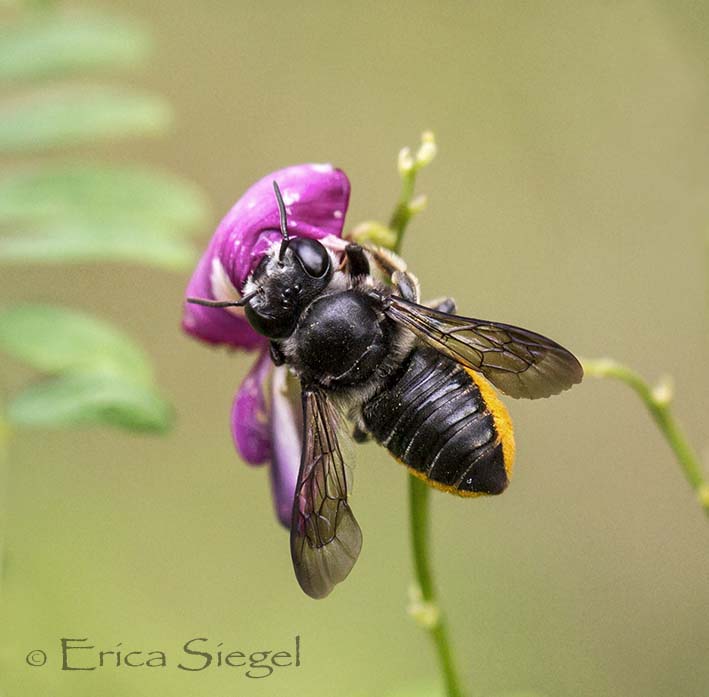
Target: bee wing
{"x": 519, "y": 362}
{"x": 325, "y": 537}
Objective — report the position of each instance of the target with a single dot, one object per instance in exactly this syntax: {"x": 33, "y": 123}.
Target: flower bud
{"x": 375, "y": 233}
{"x": 418, "y": 204}
{"x": 663, "y": 392}
{"x": 427, "y": 150}
{"x": 406, "y": 162}
{"x": 425, "y": 614}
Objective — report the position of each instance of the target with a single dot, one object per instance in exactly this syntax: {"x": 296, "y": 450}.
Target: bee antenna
{"x": 284, "y": 226}
{"x": 223, "y": 303}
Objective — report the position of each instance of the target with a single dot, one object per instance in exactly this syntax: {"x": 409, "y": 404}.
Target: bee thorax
{"x": 340, "y": 341}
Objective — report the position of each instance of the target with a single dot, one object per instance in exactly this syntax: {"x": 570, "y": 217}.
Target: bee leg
{"x": 446, "y": 305}
{"x": 359, "y": 435}
{"x": 387, "y": 261}
{"x": 276, "y": 354}
{"x": 394, "y": 267}
{"x": 406, "y": 284}
{"x": 357, "y": 262}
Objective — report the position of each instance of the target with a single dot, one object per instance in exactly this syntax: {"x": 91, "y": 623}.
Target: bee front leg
{"x": 357, "y": 262}
{"x": 276, "y": 354}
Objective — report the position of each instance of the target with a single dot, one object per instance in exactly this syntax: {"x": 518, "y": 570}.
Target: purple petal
{"x": 287, "y": 444}
{"x": 216, "y": 325}
{"x": 316, "y": 198}
{"x": 249, "y": 414}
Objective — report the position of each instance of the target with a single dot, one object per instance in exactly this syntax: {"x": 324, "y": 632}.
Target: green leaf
{"x": 80, "y": 191}
{"x": 104, "y": 378}
{"x": 54, "y": 339}
{"x": 83, "y": 399}
{"x": 75, "y": 115}
{"x": 55, "y": 44}
{"x": 91, "y": 242}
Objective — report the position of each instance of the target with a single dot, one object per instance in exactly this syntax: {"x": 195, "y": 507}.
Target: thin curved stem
{"x": 657, "y": 401}
{"x": 424, "y": 606}
{"x": 410, "y": 164}
{"x": 403, "y": 213}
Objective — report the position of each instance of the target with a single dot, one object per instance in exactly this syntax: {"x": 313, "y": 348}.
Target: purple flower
{"x": 264, "y": 424}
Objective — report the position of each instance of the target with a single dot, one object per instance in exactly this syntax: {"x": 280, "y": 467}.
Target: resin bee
{"x": 415, "y": 378}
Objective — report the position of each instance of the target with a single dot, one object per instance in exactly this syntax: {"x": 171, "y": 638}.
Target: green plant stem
{"x": 402, "y": 213}
{"x": 657, "y": 402}
{"x": 424, "y": 607}
{"x": 428, "y": 613}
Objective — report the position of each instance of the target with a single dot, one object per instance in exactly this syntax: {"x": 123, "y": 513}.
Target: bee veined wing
{"x": 325, "y": 537}
{"x": 519, "y": 362}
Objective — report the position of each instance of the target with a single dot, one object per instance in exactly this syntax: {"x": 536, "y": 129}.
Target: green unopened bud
{"x": 427, "y": 150}
{"x": 373, "y": 232}
{"x": 406, "y": 161}
{"x": 424, "y": 613}
{"x": 663, "y": 392}
{"x": 418, "y": 204}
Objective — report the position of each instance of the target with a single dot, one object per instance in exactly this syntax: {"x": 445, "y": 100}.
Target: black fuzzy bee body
{"x": 341, "y": 341}
{"x": 413, "y": 377}
{"x": 422, "y": 406}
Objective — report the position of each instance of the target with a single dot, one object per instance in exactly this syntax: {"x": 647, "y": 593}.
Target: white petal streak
{"x": 222, "y": 287}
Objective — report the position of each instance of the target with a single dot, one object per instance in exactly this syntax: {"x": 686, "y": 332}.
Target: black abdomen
{"x": 445, "y": 423}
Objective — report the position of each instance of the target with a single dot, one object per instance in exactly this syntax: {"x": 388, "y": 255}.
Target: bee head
{"x": 286, "y": 280}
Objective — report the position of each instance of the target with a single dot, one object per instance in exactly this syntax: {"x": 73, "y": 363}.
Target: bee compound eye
{"x": 312, "y": 255}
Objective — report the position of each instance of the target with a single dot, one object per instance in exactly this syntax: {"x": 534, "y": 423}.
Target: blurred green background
{"x": 569, "y": 196}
